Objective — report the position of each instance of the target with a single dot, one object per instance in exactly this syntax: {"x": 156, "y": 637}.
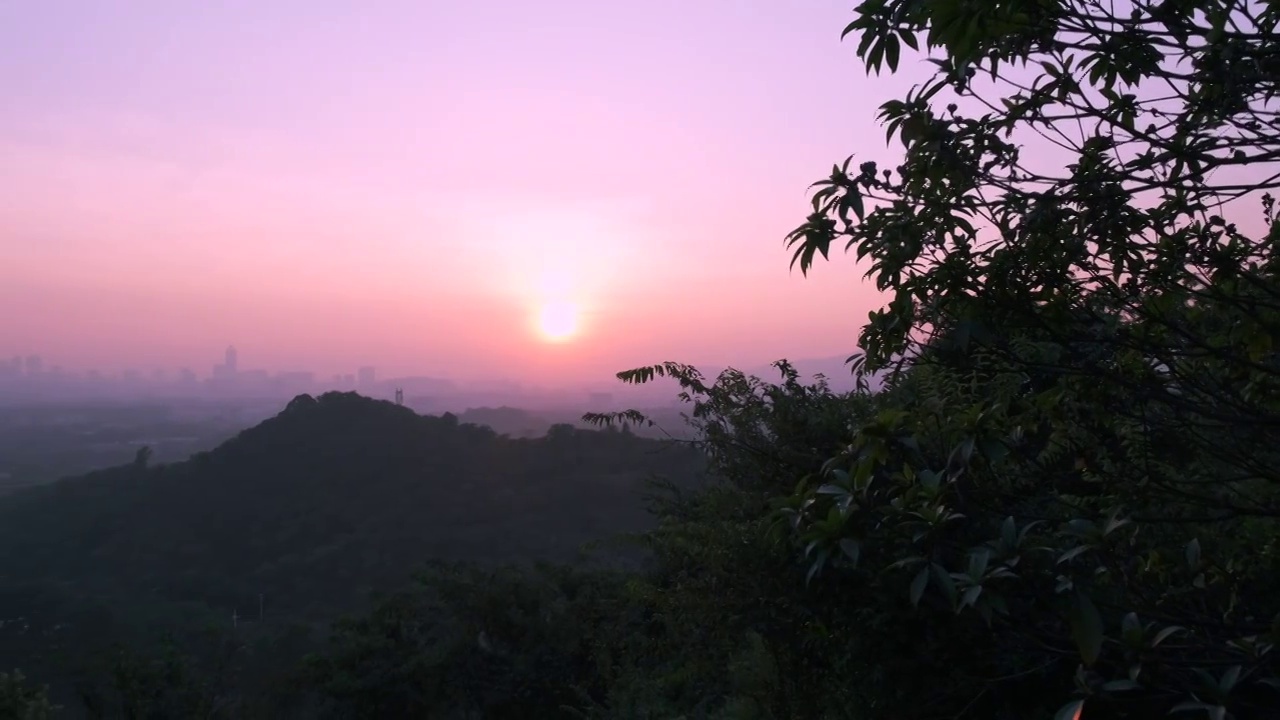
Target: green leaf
{"x": 1120, "y": 685}
{"x": 1216, "y": 712}
{"x": 994, "y": 451}
{"x": 1009, "y": 533}
{"x": 1070, "y": 711}
{"x": 817, "y": 566}
{"x": 1164, "y": 634}
{"x": 944, "y": 582}
{"x": 1086, "y": 628}
{"x": 918, "y": 584}
{"x": 1114, "y": 524}
{"x": 978, "y": 560}
{"x": 1130, "y": 623}
{"x": 1131, "y": 630}
{"x": 852, "y": 549}
{"x": 906, "y": 561}
{"x": 1073, "y": 553}
{"x": 853, "y": 197}
{"x": 1229, "y": 679}
{"x": 891, "y": 52}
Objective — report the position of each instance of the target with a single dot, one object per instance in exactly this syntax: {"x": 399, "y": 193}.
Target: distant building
{"x": 229, "y": 367}
{"x": 34, "y": 365}
{"x": 366, "y": 376}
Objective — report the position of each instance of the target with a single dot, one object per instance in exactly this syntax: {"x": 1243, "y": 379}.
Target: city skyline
{"x": 31, "y": 364}
{"x": 365, "y": 372}
{"x": 425, "y": 391}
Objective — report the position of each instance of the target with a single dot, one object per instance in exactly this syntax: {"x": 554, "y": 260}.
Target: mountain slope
{"x": 305, "y": 513}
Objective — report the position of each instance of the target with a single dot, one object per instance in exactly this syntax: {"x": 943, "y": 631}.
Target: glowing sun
{"x": 558, "y": 321}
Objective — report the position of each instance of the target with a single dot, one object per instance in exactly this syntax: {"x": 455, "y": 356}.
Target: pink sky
{"x": 405, "y": 183}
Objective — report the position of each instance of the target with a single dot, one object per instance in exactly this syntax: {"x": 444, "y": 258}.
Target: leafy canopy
{"x": 1077, "y": 448}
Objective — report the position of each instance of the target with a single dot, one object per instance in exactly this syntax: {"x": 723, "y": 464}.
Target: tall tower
{"x": 231, "y": 360}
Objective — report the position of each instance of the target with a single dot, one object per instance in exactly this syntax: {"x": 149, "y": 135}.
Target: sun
{"x": 558, "y": 321}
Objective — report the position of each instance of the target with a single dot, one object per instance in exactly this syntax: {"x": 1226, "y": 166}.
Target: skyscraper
{"x": 367, "y": 376}
{"x": 230, "y": 362}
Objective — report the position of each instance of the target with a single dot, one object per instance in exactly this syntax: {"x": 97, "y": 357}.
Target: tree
{"x": 20, "y": 701}
{"x": 1104, "y": 387}
{"x": 968, "y": 218}
{"x": 1076, "y": 452}
{"x": 142, "y": 458}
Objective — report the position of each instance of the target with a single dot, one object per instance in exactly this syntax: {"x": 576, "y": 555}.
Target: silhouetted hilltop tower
{"x": 399, "y": 396}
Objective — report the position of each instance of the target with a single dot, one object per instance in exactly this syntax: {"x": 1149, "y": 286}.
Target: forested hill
{"x": 307, "y": 512}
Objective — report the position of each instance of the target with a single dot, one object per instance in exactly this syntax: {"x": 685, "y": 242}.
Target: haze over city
{"x": 548, "y": 192}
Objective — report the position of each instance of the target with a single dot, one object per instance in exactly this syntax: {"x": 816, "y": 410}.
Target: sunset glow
{"x": 558, "y": 321}
{"x": 410, "y": 186}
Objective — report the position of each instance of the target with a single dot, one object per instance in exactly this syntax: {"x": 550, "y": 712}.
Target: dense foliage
{"x": 20, "y": 701}
{"x": 223, "y": 564}
{"x": 1077, "y": 453}
{"x": 1082, "y": 453}
{"x": 718, "y": 623}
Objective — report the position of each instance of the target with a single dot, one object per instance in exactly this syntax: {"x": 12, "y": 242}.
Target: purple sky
{"x": 409, "y": 183}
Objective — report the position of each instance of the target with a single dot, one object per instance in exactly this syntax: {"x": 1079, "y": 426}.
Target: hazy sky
{"x": 408, "y": 183}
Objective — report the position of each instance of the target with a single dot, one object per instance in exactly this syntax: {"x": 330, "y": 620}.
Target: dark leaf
{"x": 1070, "y": 711}
{"x": 918, "y": 584}
{"x": 1086, "y": 628}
